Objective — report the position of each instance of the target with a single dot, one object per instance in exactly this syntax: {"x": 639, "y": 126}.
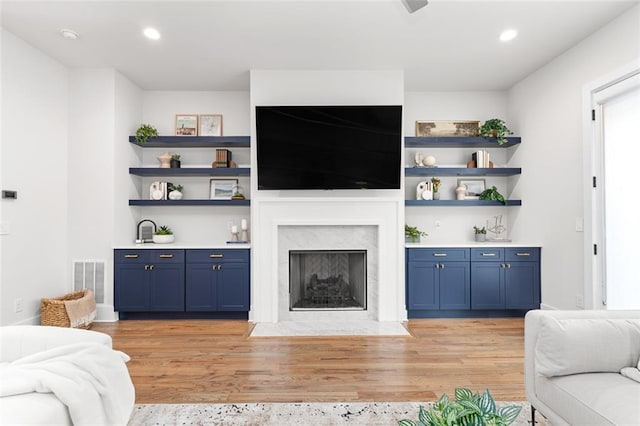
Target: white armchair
{"x": 30, "y": 407}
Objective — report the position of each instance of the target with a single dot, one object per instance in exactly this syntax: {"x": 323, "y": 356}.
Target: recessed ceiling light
{"x": 508, "y": 35}
{"x": 151, "y": 33}
{"x": 69, "y": 34}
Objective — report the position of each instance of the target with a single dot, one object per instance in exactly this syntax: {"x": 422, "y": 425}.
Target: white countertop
{"x": 472, "y": 244}
{"x": 178, "y": 246}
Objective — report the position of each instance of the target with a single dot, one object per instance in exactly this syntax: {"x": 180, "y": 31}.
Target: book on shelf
{"x": 481, "y": 158}
{"x": 223, "y": 158}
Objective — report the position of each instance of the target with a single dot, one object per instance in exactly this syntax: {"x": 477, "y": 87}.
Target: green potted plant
{"x": 174, "y": 163}
{"x": 175, "y": 192}
{"x": 492, "y": 194}
{"x": 144, "y": 132}
{"x": 163, "y": 235}
{"x": 412, "y": 234}
{"x": 495, "y": 128}
{"x": 468, "y": 409}
{"x": 436, "y": 187}
{"x": 481, "y": 233}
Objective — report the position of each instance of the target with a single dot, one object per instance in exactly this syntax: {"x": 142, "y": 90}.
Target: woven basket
{"x": 53, "y": 311}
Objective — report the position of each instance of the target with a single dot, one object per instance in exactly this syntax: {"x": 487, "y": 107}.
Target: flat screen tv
{"x": 329, "y": 147}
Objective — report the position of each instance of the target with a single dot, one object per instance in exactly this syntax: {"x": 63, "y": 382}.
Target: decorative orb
{"x": 429, "y": 161}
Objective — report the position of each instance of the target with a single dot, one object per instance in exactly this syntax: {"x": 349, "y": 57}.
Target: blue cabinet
{"x": 176, "y": 280}
{"x": 146, "y": 281}
{"x": 437, "y": 279}
{"x": 486, "y": 281}
{"x": 217, "y": 280}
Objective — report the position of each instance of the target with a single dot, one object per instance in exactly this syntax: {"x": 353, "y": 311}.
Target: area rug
{"x": 373, "y": 413}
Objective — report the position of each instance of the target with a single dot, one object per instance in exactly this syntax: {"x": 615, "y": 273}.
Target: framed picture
{"x": 447, "y": 128}
{"x": 475, "y": 187}
{"x": 210, "y": 124}
{"x": 221, "y": 189}
{"x": 186, "y": 124}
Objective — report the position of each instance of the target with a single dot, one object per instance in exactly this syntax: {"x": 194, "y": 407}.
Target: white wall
{"x": 546, "y": 109}
{"x": 33, "y": 257}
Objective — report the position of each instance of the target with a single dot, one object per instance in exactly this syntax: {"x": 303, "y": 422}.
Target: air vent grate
{"x": 89, "y": 274}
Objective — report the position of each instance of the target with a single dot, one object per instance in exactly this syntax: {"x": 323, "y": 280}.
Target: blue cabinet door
{"x": 201, "y": 287}
{"x": 166, "y": 287}
{"x": 455, "y": 282}
{"x": 131, "y": 287}
{"x": 522, "y": 282}
{"x": 423, "y": 289}
{"x": 233, "y": 287}
{"x": 487, "y": 285}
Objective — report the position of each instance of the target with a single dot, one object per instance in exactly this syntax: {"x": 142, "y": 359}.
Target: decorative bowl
{"x": 163, "y": 239}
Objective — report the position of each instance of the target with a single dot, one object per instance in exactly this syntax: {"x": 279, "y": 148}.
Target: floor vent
{"x": 89, "y": 274}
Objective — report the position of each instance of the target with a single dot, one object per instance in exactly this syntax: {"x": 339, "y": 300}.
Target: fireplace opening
{"x": 327, "y": 280}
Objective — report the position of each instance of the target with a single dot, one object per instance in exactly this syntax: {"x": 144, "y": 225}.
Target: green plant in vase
{"x": 175, "y": 161}
{"x": 468, "y": 409}
{"x": 145, "y": 132}
{"x": 481, "y": 233}
{"x": 436, "y": 188}
{"x": 495, "y": 128}
{"x": 164, "y": 230}
{"x": 412, "y": 234}
{"x": 492, "y": 194}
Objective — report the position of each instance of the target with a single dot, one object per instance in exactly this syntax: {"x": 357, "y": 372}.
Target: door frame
{"x": 594, "y": 264}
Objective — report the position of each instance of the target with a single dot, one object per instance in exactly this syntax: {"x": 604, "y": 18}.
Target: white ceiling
{"x": 212, "y": 45}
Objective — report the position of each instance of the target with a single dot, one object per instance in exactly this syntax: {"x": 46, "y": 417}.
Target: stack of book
{"x": 481, "y": 158}
{"x": 223, "y": 158}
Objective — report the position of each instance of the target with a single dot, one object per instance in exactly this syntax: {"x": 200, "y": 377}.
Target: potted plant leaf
{"x": 175, "y": 161}
{"x": 468, "y": 409}
{"x": 145, "y": 132}
{"x": 412, "y": 234}
{"x": 481, "y": 233}
{"x": 495, "y": 128}
{"x": 163, "y": 235}
{"x": 492, "y": 194}
{"x": 175, "y": 192}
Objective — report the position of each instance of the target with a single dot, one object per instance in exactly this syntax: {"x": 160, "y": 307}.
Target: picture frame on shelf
{"x": 186, "y": 124}
{"x": 475, "y": 187}
{"x": 221, "y": 189}
{"x": 210, "y": 124}
{"x": 447, "y": 128}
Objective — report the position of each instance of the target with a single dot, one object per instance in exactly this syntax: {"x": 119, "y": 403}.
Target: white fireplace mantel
{"x": 383, "y": 213}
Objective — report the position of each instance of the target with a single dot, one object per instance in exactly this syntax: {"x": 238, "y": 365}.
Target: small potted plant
{"x": 495, "y": 128}
{"x": 481, "y": 234}
{"x": 492, "y": 194}
{"x": 163, "y": 235}
{"x": 145, "y": 132}
{"x": 175, "y": 161}
{"x": 436, "y": 187}
{"x": 412, "y": 234}
{"x": 175, "y": 192}
{"x": 468, "y": 409}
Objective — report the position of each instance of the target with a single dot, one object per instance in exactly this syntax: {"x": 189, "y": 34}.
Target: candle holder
{"x": 245, "y": 235}
{"x": 234, "y": 236}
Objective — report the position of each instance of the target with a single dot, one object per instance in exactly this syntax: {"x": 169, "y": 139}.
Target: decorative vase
{"x": 461, "y": 192}
{"x": 165, "y": 160}
{"x": 175, "y": 195}
{"x": 412, "y": 238}
{"x": 480, "y": 238}
{"x": 163, "y": 239}
{"x": 174, "y": 164}
{"x": 436, "y": 195}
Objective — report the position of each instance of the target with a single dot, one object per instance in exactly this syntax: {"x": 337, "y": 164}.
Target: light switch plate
{"x": 4, "y": 228}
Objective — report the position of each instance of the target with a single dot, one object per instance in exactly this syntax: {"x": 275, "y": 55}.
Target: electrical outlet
{"x": 18, "y": 305}
{"x": 579, "y": 224}
{"x": 579, "y": 301}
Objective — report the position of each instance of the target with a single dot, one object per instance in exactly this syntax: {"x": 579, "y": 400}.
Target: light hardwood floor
{"x": 197, "y": 361}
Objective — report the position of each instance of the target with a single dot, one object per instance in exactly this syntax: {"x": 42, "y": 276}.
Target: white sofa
{"x": 573, "y": 364}
{"x": 35, "y": 342}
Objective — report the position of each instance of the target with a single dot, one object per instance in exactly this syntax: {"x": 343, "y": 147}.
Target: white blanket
{"x": 91, "y": 379}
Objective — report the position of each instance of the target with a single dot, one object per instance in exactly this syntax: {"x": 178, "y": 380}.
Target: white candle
{"x": 244, "y": 224}
{"x": 234, "y": 229}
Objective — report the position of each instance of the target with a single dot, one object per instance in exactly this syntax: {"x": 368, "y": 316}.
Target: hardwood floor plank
{"x": 215, "y": 361}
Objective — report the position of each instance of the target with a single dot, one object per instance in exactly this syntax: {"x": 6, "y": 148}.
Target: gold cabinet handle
{"x": 440, "y": 254}
{"x": 131, "y": 256}
{"x": 166, "y": 256}
{"x": 216, "y": 256}
{"x": 489, "y": 254}
{"x": 523, "y": 254}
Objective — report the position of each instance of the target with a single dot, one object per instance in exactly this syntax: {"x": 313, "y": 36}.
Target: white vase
{"x": 175, "y": 195}
{"x": 163, "y": 239}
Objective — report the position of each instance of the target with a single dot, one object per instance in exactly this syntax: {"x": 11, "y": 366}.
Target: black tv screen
{"x": 329, "y": 147}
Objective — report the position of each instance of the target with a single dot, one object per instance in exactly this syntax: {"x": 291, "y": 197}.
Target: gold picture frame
{"x": 210, "y": 125}
{"x": 186, "y": 124}
{"x": 444, "y": 128}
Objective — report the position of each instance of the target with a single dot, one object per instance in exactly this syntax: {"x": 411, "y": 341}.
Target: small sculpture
{"x": 461, "y": 192}
{"x": 429, "y": 161}
{"x": 424, "y": 190}
{"x": 418, "y": 159}
{"x": 165, "y": 160}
